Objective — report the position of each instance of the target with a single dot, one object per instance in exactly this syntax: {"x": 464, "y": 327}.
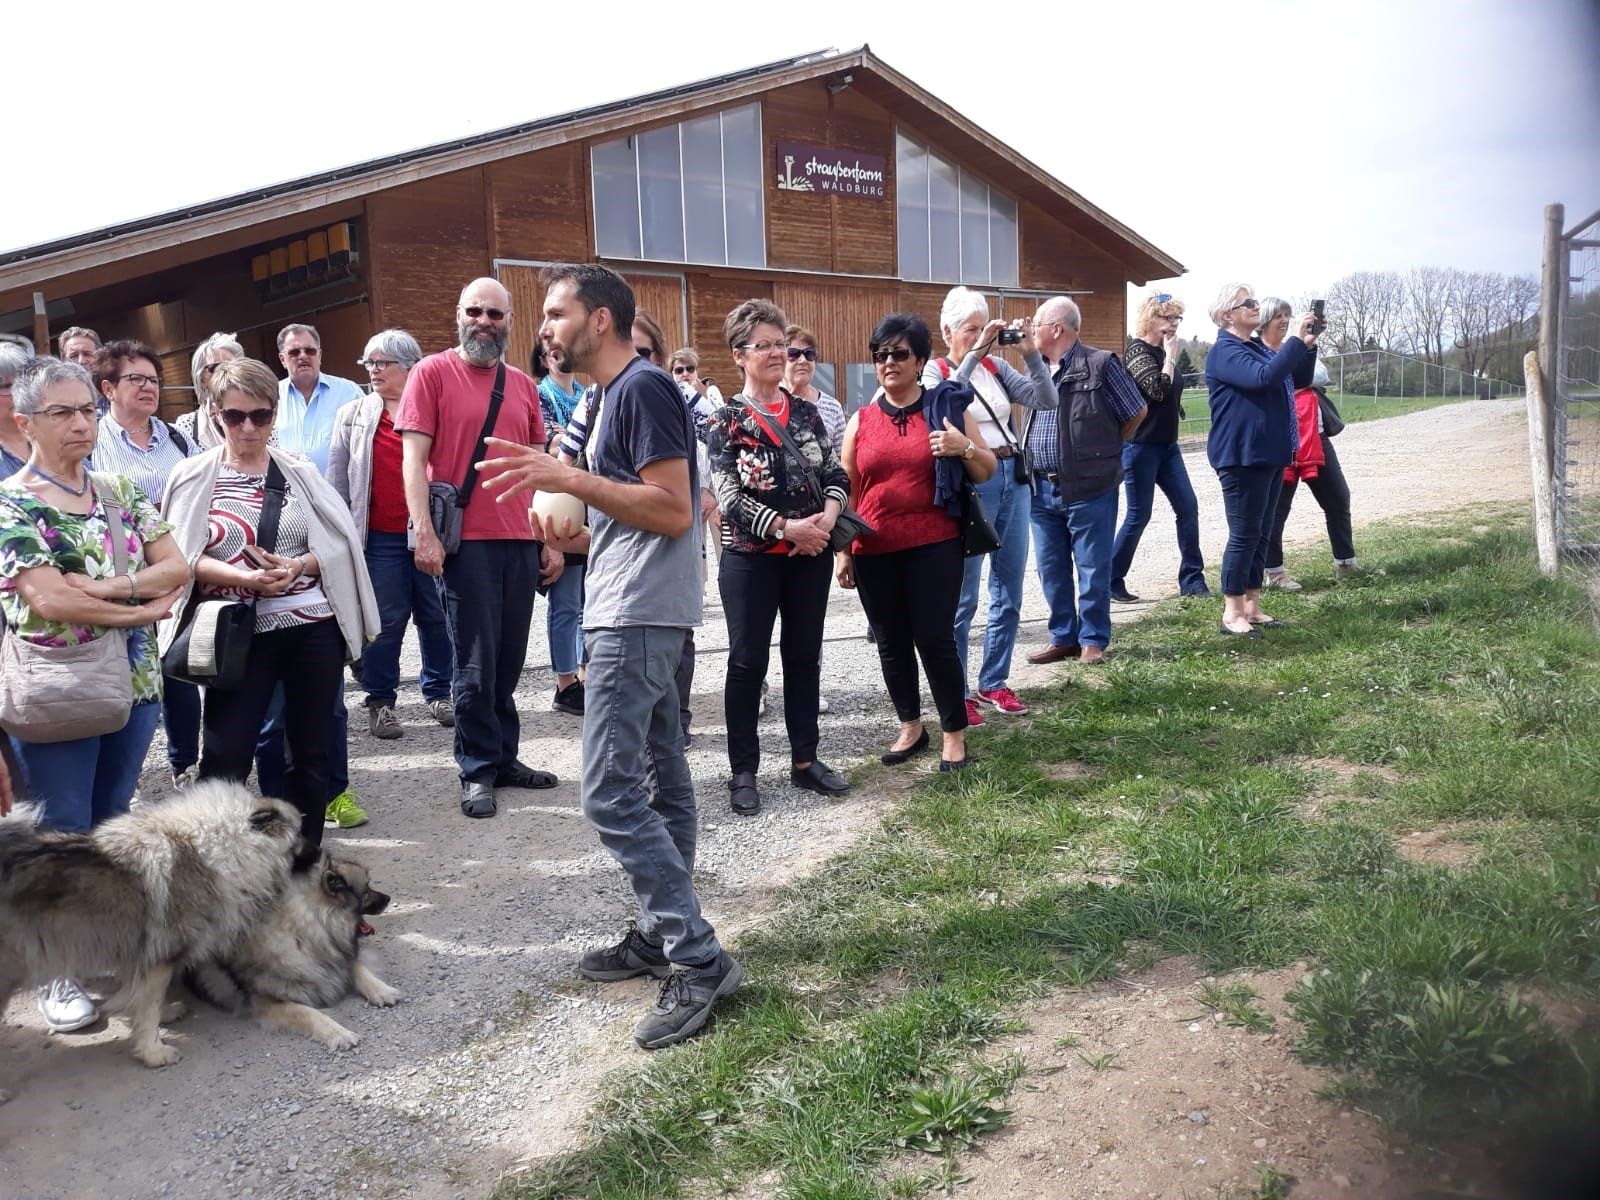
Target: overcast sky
{"x": 1281, "y": 143}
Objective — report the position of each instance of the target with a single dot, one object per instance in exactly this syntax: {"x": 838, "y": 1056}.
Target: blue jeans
{"x": 180, "y": 717}
{"x": 632, "y": 732}
{"x": 404, "y": 593}
{"x": 1250, "y": 499}
{"x": 1075, "y": 536}
{"x": 564, "y": 620}
{"x": 1147, "y": 467}
{"x": 87, "y": 780}
{"x": 1006, "y": 502}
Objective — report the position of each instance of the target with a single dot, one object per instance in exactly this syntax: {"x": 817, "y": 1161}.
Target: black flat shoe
{"x": 1123, "y": 596}
{"x": 477, "y": 798}
{"x": 742, "y": 794}
{"x": 956, "y": 764}
{"x": 1246, "y": 633}
{"x": 519, "y": 775}
{"x": 819, "y": 777}
{"x": 893, "y": 758}
{"x": 1271, "y": 623}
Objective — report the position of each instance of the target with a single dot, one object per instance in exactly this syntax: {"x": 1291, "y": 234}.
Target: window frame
{"x": 963, "y": 179}
{"x": 631, "y": 139}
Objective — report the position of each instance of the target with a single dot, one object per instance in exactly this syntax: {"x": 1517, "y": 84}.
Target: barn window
{"x": 953, "y": 227}
{"x": 683, "y": 193}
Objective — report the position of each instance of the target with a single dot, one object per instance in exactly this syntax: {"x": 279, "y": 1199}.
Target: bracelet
{"x": 133, "y": 588}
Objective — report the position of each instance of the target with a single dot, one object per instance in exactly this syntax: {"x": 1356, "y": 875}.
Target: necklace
{"x": 65, "y": 487}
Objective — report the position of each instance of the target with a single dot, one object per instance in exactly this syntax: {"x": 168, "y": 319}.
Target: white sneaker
{"x": 1282, "y": 581}
{"x": 184, "y": 778}
{"x": 823, "y": 705}
{"x": 66, "y": 1006}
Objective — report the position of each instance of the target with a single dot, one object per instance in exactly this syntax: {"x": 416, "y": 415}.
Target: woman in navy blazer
{"x": 1252, "y": 439}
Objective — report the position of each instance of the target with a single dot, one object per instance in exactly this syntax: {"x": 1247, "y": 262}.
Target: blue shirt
{"x": 1252, "y": 402}
{"x": 116, "y": 453}
{"x": 308, "y": 428}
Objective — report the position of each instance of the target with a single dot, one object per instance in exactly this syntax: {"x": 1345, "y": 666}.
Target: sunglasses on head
{"x": 233, "y": 418}
{"x": 475, "y": 311}
{"x": 1163, "y": 297}
{"x": 898, "y": 354}
{"x": 796, "y": 353}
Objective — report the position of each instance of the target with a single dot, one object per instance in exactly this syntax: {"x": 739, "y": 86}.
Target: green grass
{"x": 1352, "y": 406}
{"x": 1460, "y": 687}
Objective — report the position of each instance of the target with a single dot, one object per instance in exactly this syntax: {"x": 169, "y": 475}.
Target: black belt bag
{"x": 447, "y": 504}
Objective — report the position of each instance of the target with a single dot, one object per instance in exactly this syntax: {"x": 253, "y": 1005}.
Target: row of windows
{"x": 692, "y": 193}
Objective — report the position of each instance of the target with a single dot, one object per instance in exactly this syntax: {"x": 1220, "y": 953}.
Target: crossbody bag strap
{"x": 271, "y": 507}
{"x": 119, "y": 536}
{"x": 1005, "y": 432}
{"x": 495, "y": 397}
{"x": 790, "y": 445}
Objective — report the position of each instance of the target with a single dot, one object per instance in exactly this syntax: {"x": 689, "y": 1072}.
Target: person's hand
{"x": 429, "y": 552}
{"x": 160, "y": 608}
{"x": 1027, "y": 345}
{"x": 708, "y": 505}
{"x": 99, "y": 589}
{"x": 514, "y": 468}
{"x": 6, "y": 798}
{"x": 987, "y": 336}
{"x": 560, "y": 535}
{"x": 1307, "y": 329}
{"x": 1169, "y": 345}
{"x": 948, "y": 442}
{"x": 844, "y": 569}
{"x": 805, "y": 536}
{"x": 551, "y": 563}
{"x": 276, "y": 581}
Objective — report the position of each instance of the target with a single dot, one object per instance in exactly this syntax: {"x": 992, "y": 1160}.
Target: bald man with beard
{"x": 488, "y": 584}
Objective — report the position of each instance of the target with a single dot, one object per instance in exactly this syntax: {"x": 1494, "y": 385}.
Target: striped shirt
{"x": 116, "y": 453}
{"x": 234, "y": 521}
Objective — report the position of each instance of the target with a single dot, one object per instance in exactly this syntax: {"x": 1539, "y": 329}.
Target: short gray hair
{"x": 77, "y": 331}
{"x": 12, "y": 359}
{"x": 217, "y": 341}
{"x": 1067, "y": 307}
{"x": 959, "y": 304}
{"x": 288, "y": 331}
{"x": 1223, "y": 304}
{"x": 1271, "y": 308}
{"x": 40, "y": 374}
{"x": 396, "y": 343}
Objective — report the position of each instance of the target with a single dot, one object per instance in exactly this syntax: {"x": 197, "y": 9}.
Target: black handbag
{"x": 1332, "y": 422}
{"x": 849, "y": 525}
{"x": 447, "y": 503}
{"x": 213, "y": 645}
{"x": 977, "y": 531}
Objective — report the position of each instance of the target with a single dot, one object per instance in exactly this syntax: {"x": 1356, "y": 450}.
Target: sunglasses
{"x": 898, "y": 354}
{"x": 682, "y": 369}
{"x": 1251, "y": 302}
{"x": 235, "y": 418}
{"x": 643, "y": 351}
{"x": 475, "y": 311}
{"x": 1163, "y": 297}
{"x": 796, "y": 353}
{"x": 305, "y": 351}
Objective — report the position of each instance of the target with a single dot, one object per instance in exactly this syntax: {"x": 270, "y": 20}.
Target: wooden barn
{"x": 831, "y": 184}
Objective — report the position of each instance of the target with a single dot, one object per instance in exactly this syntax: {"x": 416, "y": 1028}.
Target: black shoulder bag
{"x": 213, "y": 645}
{"x": 850, "y": 524}
{"x": 447, "y": 503}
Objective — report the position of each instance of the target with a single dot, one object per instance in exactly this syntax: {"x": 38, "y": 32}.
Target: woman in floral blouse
{"x": 59, "y": 587}
{"x": 775, "y": 531}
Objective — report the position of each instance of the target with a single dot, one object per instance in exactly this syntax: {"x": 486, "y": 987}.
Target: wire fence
{"x": 1576, "y": 401}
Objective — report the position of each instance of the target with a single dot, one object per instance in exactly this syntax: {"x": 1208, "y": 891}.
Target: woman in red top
{"x": 909, "y": 571}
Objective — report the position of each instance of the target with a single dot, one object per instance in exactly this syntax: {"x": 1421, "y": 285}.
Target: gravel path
{"x": 493, "y": 1057}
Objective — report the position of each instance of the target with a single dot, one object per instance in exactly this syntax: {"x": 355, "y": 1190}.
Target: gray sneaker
{"x": 687, "y": 997}
{"x": 66, "y": 1006}
{"x": 443, "y": 712}
{"x": 634, "y": 955}
{"x": 382, "y": 723}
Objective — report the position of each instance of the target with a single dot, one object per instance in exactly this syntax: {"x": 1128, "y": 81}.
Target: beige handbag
{"x": 62, "y": 693}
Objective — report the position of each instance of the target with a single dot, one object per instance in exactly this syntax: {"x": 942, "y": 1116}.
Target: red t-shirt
{"x": 447, "y": 399}
{"x": 895, "y": 494}
{"x": 387, "y": 510}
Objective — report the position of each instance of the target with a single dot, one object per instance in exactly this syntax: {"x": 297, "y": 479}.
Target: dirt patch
{"x": 1064, "y": 772}
{"x": 1344, "y": 770}
{"x": 1435, "y": 848}
{"x": 1188, "y": 1107}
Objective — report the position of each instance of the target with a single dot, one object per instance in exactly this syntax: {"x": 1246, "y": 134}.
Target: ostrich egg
{"x": 561, "y": 507}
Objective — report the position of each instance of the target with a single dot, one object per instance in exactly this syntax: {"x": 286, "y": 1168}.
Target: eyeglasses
{"x": 234, "y": 418}
{"x": 377, "y": 364}
{"x": 62, "y": 412}
{"x": 1249, "y": 302}
{"x": 762, "y": 347}
{"x": 796, "y": 353}
{"x": 898, "y": 354}
{"x": 644, "y": 351}
{"x": 303, "y": 351}
{"x": 209, "y": 367}
{"x": 682, "y": 369}
{"x": 475, "y": 311}
{"x": 139, "y": 380}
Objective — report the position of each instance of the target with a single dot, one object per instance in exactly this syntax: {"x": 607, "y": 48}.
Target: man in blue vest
{"x": 1077, "y": 469}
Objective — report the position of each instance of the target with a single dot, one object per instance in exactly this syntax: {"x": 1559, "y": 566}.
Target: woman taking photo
{"x": 970, "y": 334}
{"x": 60, "y": 586}
{"x": 313, "y": 601}
{"x": 1251, "y": 441}
{"x": 909, "y": 569}
{"x": 777, "y": 515}
{"x": 364, "y": 468}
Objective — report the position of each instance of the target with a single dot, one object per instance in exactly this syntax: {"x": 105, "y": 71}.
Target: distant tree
{"x": 1427, "y": 293}
{"x": 1366, "y": 311}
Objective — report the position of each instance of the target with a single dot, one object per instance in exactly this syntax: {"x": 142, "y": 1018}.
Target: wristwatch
{"x": 969, "y": 451}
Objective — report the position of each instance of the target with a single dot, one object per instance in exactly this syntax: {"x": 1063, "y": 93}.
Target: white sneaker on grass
{"x": 66, "y": 1006}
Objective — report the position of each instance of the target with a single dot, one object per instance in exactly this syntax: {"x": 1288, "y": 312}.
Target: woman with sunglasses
{"x": 798, "y": 375}
{"x": 909, "y": 570}
{"x": 1252, "y": 439}
{"x": 777, "y": 515}
{"x": 59, "y": 586}
{"x": 210, "y": 354}
{"x": 312, "y": 596}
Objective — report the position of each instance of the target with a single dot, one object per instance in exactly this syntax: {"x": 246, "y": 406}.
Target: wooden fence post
{"x": 1544, "y": 497}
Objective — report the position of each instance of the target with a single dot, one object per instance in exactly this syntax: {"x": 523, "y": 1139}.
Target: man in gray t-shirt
{"x": 643, "y": 597}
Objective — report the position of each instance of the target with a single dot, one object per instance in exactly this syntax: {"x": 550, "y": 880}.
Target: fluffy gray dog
{"x": 165, "y": 887}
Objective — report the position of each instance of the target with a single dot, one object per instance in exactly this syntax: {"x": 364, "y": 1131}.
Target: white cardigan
{"x": 332, "y": 538}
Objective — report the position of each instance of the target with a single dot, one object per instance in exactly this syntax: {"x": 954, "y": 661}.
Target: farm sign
{"x": 830, "y": 171}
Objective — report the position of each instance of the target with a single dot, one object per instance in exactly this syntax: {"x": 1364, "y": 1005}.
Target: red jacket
{"x": 1308, "y": 455}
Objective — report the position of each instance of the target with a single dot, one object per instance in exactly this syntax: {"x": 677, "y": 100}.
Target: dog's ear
{"x": 333, "y": 881}
{"x": 265, "y": 818}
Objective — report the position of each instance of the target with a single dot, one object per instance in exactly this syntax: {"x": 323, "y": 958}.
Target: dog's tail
{"x": 215, "y": 984}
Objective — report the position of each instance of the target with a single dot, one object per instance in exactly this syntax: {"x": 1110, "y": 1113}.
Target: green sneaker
{"x": 344, "y": 812}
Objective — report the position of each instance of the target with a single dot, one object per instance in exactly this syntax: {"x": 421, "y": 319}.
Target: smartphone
{"x": 1319, "y": 315}
{"x": 256, "y": 557}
